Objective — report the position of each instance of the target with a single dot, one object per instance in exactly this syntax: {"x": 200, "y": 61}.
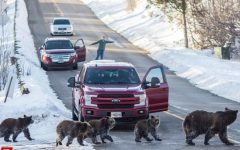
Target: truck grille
{"x": 62, "y": 28}
{"x": 60, "y": 57}
{"x": 105, "y": 101}
{"x": 115, "y": 106}
{"x": 115, "y": 95}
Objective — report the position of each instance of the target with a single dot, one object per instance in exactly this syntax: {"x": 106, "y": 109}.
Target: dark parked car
{"x": 61, "y": 53}
{"x": 109, "y": 88}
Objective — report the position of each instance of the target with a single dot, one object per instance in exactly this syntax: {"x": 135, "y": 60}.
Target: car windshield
{"x": 58, "y": 44}
{"x": 105, "y": 75}
{"x": 61, "y": 21}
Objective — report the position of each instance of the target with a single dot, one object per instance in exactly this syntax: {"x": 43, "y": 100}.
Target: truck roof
{"x": 56, "y": 38}
{"x": 106, "y": 63}
{"x": 61, "y": 18}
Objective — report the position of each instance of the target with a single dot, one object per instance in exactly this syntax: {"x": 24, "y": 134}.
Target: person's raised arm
{"x": 107, "y": 41}
{"x": 94, "y": 43}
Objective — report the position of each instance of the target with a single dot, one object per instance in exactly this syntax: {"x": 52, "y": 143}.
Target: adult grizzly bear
{"x": 208, "y": 123}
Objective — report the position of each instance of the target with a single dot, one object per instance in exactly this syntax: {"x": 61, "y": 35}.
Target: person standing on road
{"x": 101, "y": 46}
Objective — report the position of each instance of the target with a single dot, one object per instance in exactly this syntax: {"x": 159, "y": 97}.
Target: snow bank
{"x": 42, "y": 103}
{"x": 148, "y": 28}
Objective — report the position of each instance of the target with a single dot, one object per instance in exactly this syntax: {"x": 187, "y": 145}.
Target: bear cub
{"x": 101, "y": 127}
{"x": 146, "y": 126}
{"x": 72, "y": 129}
{"x": 15, "y": 127}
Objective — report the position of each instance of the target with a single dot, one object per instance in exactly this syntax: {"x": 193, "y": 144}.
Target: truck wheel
{"x": 75, "y": 67}
{"x": 44, "y": 67}
{"x": 80, "y": 117}
{"x": 74, "y": 117}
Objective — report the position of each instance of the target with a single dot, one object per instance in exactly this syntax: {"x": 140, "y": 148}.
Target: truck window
{"x": 155, "y": 73}
{"x": 106, "y": 75}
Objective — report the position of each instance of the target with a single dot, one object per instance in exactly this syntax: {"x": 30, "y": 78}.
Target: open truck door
{"x": 80, "y": 49}
{"x": 156, "y": 88}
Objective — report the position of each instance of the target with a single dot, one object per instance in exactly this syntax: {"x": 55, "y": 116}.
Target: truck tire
{"x": 75, "y": 67}
{"x": 74, "y": 117}
{"x": 44, "y": 67}
{"x": 80, "y": 117}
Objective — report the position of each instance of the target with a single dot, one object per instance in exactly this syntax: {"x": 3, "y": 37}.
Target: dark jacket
{"x": 102, "y": 44}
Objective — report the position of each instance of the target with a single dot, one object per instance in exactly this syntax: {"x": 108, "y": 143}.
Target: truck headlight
{"x": 73, "y": 54}
{"x": 88, "y": 100}
{"x": 46, "y": 55}
{"x": 142, "y": 100}
{"x": 69, "y": 28}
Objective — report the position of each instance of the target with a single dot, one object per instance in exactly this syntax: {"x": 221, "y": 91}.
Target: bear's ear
{"x": 226, "y": 109}
{"x": 152, "y": 117}
{"x": 236, "y": 111}
{"x": 24, "y": 116}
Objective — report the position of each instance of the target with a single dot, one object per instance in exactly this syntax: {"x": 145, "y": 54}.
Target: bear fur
{"x": 146, "y": 126}
{"x": 208, "y": 123}
{"x": 101, "y": 127}
{"x": 15, "y": 126}
{"x": 72, "y": 129}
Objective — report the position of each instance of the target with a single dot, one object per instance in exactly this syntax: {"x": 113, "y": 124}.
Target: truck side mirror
{"x": 71, "y": 82}
{"x": 41, "y": 47}
{"x": 145, "y": 84}
{"x": 76, "y": 47}
{"x": 155, "y": 82}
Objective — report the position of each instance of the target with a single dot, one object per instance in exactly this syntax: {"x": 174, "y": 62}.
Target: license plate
{"x": 116, "y": 114}
{"x": 60, "y": 61}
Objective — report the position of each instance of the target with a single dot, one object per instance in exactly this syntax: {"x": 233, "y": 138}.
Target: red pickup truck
{"x": 109, "y": 88}
{"x": 61, "y": 53}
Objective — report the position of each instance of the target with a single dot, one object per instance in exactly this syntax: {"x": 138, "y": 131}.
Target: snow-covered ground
{"x": 143, "y": 27}
{"x": 147, "y": 28}
{"x": 42, "y": 102}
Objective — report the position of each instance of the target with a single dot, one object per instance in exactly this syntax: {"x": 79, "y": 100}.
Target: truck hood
{"x": 113, "y": 88}
{"x": 60, "y": 51}
{"x": 61, "y": 26}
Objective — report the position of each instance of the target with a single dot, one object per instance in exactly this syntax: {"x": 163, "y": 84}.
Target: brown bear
{"x": 143, "y": 127}
{"x": 208, "y": 123}
{"x": 72, "y": 129}
{"x": 101, "y": 127}
{"x": 15, "y": 126}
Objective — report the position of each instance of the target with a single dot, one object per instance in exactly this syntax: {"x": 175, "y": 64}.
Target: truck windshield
{"x": 61, "y": 22}
{"x": 103, "y": 75}
{"x": 59, "y": 44}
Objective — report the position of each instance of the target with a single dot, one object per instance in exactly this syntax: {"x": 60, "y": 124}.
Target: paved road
{"x": 184, "y": 97}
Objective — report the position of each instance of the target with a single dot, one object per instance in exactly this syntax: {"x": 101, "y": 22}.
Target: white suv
{"x": 61, "y": 26}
